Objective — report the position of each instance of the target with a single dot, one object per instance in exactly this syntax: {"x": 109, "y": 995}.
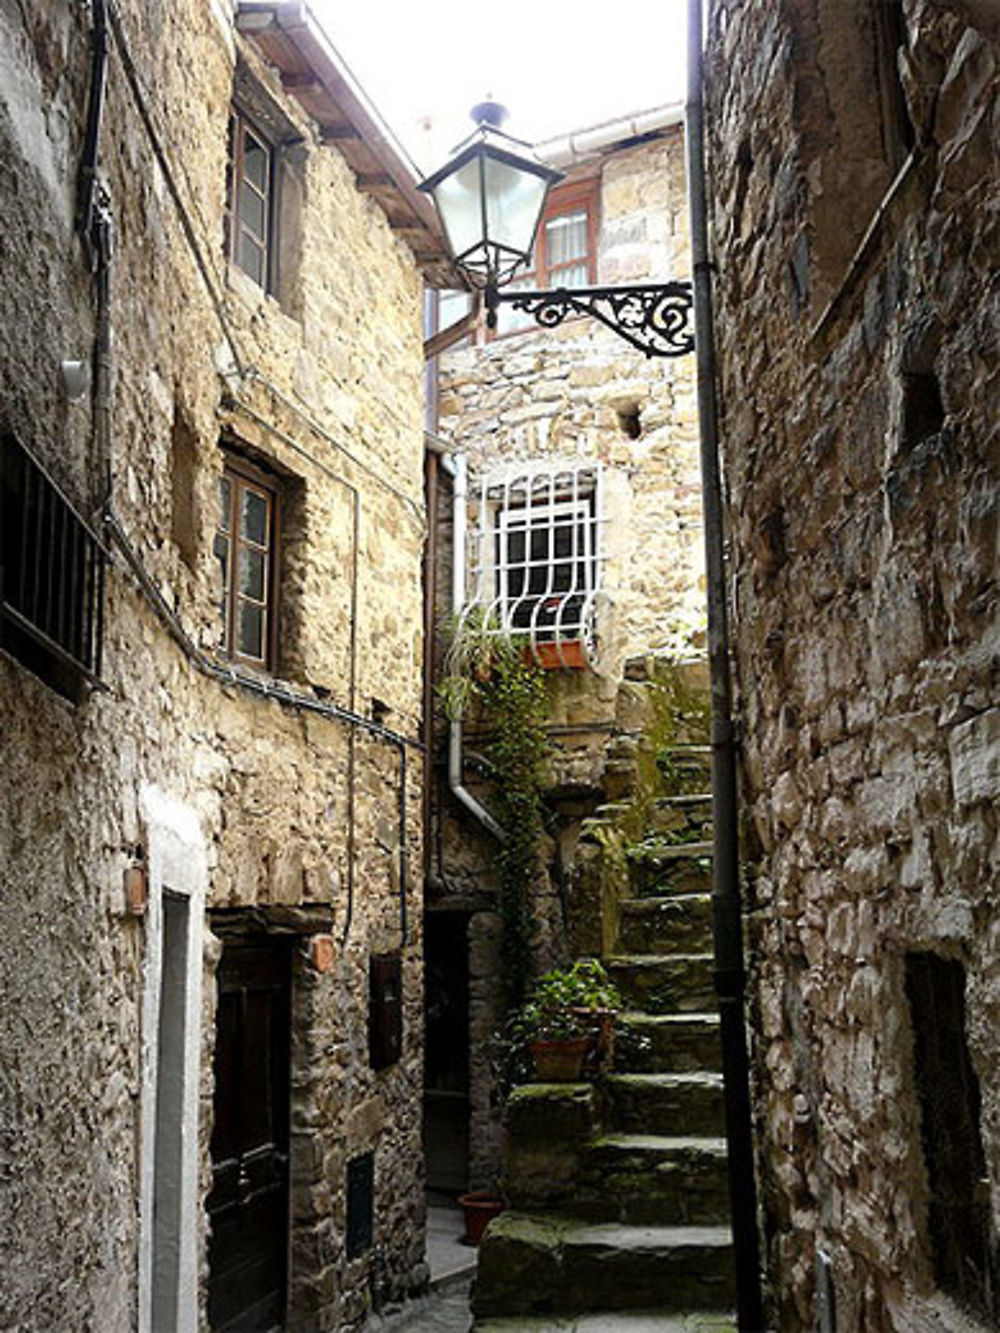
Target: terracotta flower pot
{"x": 599, "y": 1026}
{"x": 559, "y": 1060}
{"x": 552, "y": 656}
{"x": 480, "y": 1208}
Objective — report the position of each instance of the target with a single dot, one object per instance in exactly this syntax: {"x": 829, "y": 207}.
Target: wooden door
{"x": 248, "y": 1204}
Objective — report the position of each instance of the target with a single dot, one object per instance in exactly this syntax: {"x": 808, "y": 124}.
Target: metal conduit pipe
{"x": 456, "y": 465}
{"x": 730, "y": 980}
{"x": 95, "y": 227}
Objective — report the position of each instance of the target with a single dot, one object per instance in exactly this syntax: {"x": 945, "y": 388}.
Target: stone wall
{"x": 859, "y": 375}
{"x": 325, "y": 388}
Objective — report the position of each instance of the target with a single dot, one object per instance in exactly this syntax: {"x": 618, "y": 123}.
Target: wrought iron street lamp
{"x": 490, "y": 196}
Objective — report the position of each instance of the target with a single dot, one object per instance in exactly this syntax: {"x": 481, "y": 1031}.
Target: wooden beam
{"x": 306, "y": 79}
{"x": 338, "y": 134}
{"x": 375, "y": 181}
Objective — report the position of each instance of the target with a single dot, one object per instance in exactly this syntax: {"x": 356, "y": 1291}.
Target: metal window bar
{"x": 51, "y": 566}
{"x": 536, "y": 556}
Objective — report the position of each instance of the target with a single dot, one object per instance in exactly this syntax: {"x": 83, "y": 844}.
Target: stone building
{"x": 570, "y": 472}
{"x": 210, "y": 592}
{"x": 855, "y": 189}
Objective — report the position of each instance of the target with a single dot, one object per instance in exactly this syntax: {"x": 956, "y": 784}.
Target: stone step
{"x": 612, "y": 1321}
{"x": 554, "y": 1265}
{"x": 663, "y": 984}
{"x": 681, "y": 815}
{"x": 667, "y": 1043}
{"x": 656, "y": 867}
{"x": 549, "y": 1127}
{"x": 685, "y": 770}
{"x": 652, "y": 1179}
{"x": 677, "y": 923}
{"x": 666, "y": 1103}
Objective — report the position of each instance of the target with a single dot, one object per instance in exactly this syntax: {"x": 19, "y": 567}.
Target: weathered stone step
{"x": 555, "y": 1265}
{"x": 658, "y": 867}
{"x": 663, "y": 984}
{"x": 666, "y": 1103}
{"x": 681, "y": 815}
{"x": 609, "y": 1321}
{"x": 641, "y": 1179}
{"x": 667, "y": 1043}
{"x": 678, "y": 923}
{"x": 685, "y": 769}
{"x": 549, "y": 1126}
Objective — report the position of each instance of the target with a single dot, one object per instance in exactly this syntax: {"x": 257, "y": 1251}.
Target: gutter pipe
{"x": 94, "y": 224}
{"x": 730, "y": 978}
{"x": 456, "y": 465}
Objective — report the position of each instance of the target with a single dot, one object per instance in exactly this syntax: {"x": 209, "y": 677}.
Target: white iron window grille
{"x": 536, "y": 557}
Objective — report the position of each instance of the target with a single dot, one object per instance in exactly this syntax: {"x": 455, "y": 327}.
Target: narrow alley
{"x": 499, "y": 667}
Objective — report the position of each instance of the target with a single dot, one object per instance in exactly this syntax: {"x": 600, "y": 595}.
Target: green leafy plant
{"x": 560, "y": 1000}
{"x": 562, "y": 1005}
{"x": 486, "y": 671}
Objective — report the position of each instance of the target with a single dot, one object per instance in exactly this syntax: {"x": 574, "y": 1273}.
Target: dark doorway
{"x": 962, "y": 1245}
{"x": 446, "y": 1077}
{"x": 248, "y": 1205}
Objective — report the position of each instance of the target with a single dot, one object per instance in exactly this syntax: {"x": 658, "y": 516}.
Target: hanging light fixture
{"x": 490, "y": 196}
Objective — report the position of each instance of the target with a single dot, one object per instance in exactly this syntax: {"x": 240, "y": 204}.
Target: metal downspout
{"x": 95, "y": 228}
{"x": 730, "y": 979}
{"x": 457, "y": 466}
{"x": 430, "y": 587}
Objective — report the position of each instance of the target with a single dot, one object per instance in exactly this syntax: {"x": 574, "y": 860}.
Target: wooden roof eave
{"x": 290, "y": 39}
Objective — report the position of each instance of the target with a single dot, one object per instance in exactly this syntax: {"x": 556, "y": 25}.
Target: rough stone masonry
{"x": 856, "y": 186}
{"x": 290, "y": 816}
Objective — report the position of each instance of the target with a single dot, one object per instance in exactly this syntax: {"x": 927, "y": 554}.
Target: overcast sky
{"x": 556, "y": 66}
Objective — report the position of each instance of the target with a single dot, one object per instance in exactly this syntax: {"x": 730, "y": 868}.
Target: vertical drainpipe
{"x": 94, "y": 225}
{"x": 730, "y": 978}
{"x": 459, "y": 524}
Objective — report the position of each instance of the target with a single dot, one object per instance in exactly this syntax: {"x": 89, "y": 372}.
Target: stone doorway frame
{"x": 177, "y": 867}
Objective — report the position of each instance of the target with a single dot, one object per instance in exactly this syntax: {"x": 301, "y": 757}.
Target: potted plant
{"x": 568, "y": 1021}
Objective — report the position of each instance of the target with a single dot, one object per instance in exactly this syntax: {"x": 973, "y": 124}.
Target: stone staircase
{"x": 618, "y": 1187}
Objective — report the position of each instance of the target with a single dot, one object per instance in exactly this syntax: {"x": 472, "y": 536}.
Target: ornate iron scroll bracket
{"x": 655, "y": 319}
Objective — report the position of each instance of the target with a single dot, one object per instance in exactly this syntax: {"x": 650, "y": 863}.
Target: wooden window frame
{"x": 579, "y": 196}
{"x": 240, "y": 124}
{"x": 244, "y": 476}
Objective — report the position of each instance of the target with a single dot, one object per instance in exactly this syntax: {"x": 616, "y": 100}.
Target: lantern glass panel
{"x": 459, "y": 203}
{"x": 514, "y": 199}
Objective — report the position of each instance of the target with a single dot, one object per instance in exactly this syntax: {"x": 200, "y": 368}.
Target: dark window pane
{"x": 252, "y": 211}
{"x": 253, "y": 518}
{"x": 255, "y": 160}
{"x": 251, "y": 259}
{"x": 250, "y": 630}
{"x": 540, "y": 545}
{"x": 563, "y": 534}
{"x": 562, "y": 577}
{"x": 252, "y": 571}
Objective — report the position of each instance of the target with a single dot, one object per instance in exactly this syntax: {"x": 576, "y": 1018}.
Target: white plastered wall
{"x": 177, "y": 864}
